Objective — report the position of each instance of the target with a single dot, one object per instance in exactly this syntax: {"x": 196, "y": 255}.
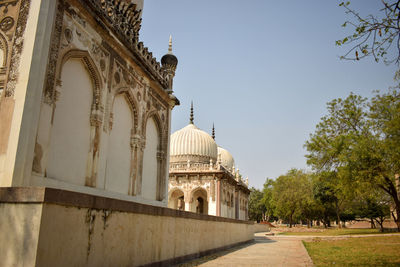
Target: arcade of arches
{"x": 103, "y": 124}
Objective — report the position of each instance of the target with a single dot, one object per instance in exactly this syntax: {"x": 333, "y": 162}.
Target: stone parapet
{"x": 53, "y": 227}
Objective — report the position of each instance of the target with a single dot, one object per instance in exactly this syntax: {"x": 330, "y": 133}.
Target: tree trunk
{"x": 338, "y": 214}
{"x": 372, "y": 224}
{"x": 380, "y": 221}
{"x": 397, "y": 201}
{"x": 396, "y": 219}
{"x": 394, "y": 192}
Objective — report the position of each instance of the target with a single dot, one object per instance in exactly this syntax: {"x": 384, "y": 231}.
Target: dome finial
{"x": 213, "y": 132}
{"x": 191, "y": 113}
{"x": 170, "y": 45}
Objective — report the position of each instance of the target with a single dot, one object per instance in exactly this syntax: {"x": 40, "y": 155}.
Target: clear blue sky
{"x": 261, "y": 70}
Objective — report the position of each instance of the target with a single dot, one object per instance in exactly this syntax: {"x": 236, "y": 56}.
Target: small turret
{"x": 169, "y": 62}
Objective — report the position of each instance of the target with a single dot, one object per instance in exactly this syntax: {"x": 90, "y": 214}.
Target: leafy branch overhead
{"x": 374, "y": 35}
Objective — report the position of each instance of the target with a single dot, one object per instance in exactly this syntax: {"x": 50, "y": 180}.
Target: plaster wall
{"x": 98, "y": 238}
{"x": 70, "y": 136}
{"x": 19, "y": 233}
{"x": 63, "y": 228}
{"x": 149, "y": 180}
{"x": 212, "y": 207}
{"x": 261, "y": 228}
{"x": 119, "y": 149}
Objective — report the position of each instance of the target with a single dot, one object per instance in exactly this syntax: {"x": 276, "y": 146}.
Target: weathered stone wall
{"x": 62, "y": 228}
{"x": 19, "y": 233}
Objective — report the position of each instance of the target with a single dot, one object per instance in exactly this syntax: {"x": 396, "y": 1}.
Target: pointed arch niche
{"x": 71, "y": 130}
{"x": 199, "y": 201}
{"x": 176, "y": 199}
{"x": 119, "y": 165}
{"x": 151, "y": 163}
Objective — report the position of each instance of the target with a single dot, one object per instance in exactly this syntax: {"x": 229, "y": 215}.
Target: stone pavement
{"x": 265, "y": 251}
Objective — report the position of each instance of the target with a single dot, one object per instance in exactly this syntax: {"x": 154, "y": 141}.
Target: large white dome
{"x": 226, "y": 158}
{"x": 191, "y": 143}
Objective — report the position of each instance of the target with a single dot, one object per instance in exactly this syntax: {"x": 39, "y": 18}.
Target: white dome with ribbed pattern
{"x": 191, "y": 143}
{"x": 226, "y": 158}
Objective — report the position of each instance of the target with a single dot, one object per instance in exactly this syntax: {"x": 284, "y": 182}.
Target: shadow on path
{"x": 202, "y": 260}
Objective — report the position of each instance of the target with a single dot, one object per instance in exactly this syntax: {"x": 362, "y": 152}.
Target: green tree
{"x": 329, "y": 194}
{"x": 256, "y": 205}
{"x": 267, "y": 199}
{"x": 310, "y": 208}
{"x": 375, "y": 207}
{"x": 373, "y": 35}
{"x": 329, "y": 147}
{"x": 288, "y": 195}
{"x": 359, "y": 142}
{"x": 375, "y": 158}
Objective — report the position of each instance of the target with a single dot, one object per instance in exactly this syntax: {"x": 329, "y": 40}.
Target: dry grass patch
{"x": 365, "y": 251}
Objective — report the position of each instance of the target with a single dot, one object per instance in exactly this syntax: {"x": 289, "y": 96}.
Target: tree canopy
{"x": 374, "y": 35}
{"x": 359, "y": 142}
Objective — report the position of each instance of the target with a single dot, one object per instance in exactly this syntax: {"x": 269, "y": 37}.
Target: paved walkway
{"x": 265, "y": 251}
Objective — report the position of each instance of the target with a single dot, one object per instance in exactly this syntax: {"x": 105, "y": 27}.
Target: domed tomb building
{"x": 202, "y": 176}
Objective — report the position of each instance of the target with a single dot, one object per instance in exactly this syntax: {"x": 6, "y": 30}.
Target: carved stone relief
{"x": 14, "y": 14}
{"x": 111, "y": 74}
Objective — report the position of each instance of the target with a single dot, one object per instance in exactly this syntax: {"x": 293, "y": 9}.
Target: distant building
{"x": 202, "y": 176}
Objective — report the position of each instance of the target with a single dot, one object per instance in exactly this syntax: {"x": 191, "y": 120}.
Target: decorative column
{"x": 160, "y": 177}
{"x": 135, "y": 148}
{"x": 139, "y": 170}
{"x": 218, "y": 197}
{"x": 187, "y": 199}
{"x": 96, "y": 119}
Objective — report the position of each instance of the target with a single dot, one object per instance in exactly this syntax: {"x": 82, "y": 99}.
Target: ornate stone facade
{"x": 102, "y": 35}
{"x": 224, "y": 193}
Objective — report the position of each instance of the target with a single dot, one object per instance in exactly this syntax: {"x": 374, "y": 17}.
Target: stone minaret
{"x": 169, "y": 62}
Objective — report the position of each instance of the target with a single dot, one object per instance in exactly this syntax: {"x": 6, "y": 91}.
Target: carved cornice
{"x": 124, "y": 20}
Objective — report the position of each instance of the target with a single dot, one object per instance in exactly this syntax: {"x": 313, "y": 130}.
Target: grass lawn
{"x": 338, "y": 232}
{"x": 364, "y": 251}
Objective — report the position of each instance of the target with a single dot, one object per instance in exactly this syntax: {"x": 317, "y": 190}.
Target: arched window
{"x": 176, "y": 200}
{"x": 70, "y": 133}
{"x": 199, "y": 203}
{"x": 150, "y": 162}
{"x": 118, "y": 165}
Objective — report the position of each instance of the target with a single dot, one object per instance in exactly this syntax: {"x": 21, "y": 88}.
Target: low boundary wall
{"x": 259, "y": 227}
{"x": 53, "y": 227}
